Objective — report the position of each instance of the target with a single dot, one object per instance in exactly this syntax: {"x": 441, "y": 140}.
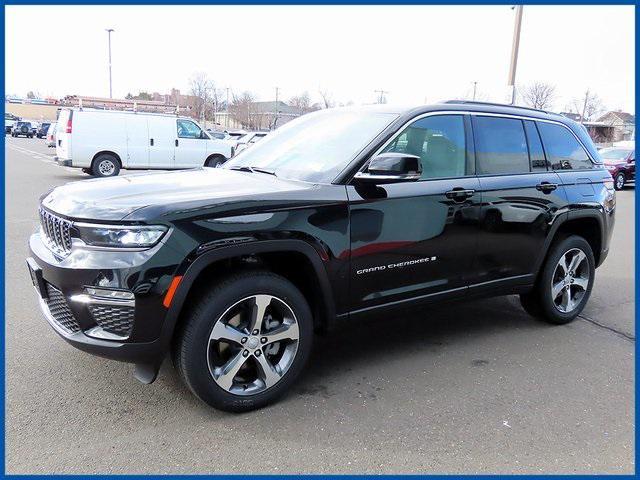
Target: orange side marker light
{"x": 172, "y": 290}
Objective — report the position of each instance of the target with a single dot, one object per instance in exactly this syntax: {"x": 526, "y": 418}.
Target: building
{"x": 624, "y": 125}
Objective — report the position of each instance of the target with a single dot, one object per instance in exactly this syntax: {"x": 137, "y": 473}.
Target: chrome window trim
{"x": 474, "y": 113}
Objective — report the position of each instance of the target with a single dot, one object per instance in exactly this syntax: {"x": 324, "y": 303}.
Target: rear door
{"x": 63, "y": 134}
{"x": 191, "y": 146}
{"x": 520, "y": 199}
{"x": 162, "y": 137}
{"x": 137, "y": 141}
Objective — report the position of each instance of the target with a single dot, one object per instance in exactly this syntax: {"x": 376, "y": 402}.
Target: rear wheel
{"x": 245, "y": 342}
{"x": 564, "y": 284}
{"x": 105, "y": 165}
{"x": 215, "y": 161}
{"x": 619, "y": 180}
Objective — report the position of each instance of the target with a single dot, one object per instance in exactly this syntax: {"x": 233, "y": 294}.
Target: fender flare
{"x": 594, "y": 213}
{"x": 264, "y": 246}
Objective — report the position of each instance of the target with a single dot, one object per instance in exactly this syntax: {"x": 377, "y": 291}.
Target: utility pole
{"x": 226, "y": 118}
{"x": 514, "y": 52}
{"x": 474, "y": 90}
{"x": 275, "y": 120}
{"x": 109, "y": 30}
{"x": 584, "y": 107}
{"x": 381, "y": 97}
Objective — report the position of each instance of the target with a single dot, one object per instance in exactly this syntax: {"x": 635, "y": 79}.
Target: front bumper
{"x": 124, "y": 330}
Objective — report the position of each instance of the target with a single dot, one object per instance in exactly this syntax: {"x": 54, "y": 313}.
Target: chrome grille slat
{"x": 57, "y": 232}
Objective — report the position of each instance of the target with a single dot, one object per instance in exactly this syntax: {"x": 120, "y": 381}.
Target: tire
{"x": 215, "y": 161}
{"x": 105, "y": 165}
{"x": 548, "y": 300}
{"x": 201, "y": 356}
{"x": 619, "y": 180}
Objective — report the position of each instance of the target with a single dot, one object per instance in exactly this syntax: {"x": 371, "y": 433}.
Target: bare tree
{"x": 302, "y": 102}
{"x": 539, "y": 95}
{"x": 241, "y": 110}
{"x": 588, "y": 106}
{"x": 203, "y": 89}
{"x": 327, "y": 98}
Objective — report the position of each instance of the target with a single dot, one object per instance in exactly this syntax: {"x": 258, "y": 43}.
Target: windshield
{"x": 615, "y": 153}
{"x": 316, "y": 146}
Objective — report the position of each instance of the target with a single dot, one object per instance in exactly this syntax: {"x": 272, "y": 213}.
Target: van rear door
{"x": 162, "y": 138}
{"x": 63, "y": 134}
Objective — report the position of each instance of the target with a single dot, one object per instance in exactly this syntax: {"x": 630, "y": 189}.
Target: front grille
{"x": 60, "y": 311}
{"x": 113, "y": 319}
{"x": 57, "y": 232}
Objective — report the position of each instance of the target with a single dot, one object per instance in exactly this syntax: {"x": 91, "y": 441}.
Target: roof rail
{"x": 492, "y": 104}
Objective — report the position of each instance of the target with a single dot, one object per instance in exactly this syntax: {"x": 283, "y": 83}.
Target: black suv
{"x": 336, "y": 215}
{"x": 22, "y": 128}
{"x": 42, "y": 131}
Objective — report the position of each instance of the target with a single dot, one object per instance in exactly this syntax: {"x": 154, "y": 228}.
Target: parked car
{"x": 248, "y": 139}
{"x": 9, "y": 120}
{"x": 621, "y": 163}
{"x": 51, "y": 135}
{"x": 101, "y": 142}
{"x": 42, "y": 130}
{"x": 338, "y": 214}
{"x": 22, "y": 129}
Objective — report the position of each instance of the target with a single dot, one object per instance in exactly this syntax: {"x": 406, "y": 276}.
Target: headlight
{"x": 120, "y": 236}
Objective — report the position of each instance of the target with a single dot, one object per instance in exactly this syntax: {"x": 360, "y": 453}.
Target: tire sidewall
{"x": 194, "y": 364}
{"x": 105, "y": 158}
{"x": 547, "y": 304}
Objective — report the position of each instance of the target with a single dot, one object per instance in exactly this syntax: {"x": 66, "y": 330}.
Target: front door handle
{"x": 459, "y": 194}
{"x": 176, "y": 142}
{"x": 546, "y": 187}
{"x": 151, "y": 141}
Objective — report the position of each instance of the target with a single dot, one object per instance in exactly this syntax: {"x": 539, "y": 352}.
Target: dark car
{"x": 22, "y": 129}
{"x": 337, "y": 215}
{"x": 621, "y": 163}
{"x": 42, "y": 131}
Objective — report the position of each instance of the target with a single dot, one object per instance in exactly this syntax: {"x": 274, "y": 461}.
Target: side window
{"x": 439, "y": 141}
{"x": 188, "y": 129}
{"x": 563, "y": 150}
{"x": 501, "y": 146}
{"x": 536, "y": 152}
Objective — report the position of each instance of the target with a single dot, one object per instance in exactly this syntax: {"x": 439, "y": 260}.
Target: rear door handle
{"x": 151, "y": 141}
{"x": 176, "y": 142}
{"x": 459, "y": 194}
{"x": 546, "y": 187}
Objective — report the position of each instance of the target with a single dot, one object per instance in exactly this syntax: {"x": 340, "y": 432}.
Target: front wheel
{"x": 564, "y": 284}
{"x": 245, "y": 342}
{"x": 215, "y": 161}
{"x": 618, "y": 182}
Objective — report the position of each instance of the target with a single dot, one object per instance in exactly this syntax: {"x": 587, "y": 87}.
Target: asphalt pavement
{"x": 475, "y": 387}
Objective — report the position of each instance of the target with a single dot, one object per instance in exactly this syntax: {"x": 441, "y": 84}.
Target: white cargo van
{"x": 101, "y": 142}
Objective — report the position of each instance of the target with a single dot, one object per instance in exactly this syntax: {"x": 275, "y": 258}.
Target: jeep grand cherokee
{"x": 336, "y": 215}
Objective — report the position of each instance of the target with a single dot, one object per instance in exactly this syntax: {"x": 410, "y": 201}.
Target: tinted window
{"x": 563, "y": 150}
{"x": 187, "y": 129}
{"x": 439, "y": 141}
{"x": 536, "y": 152}
{"x": 501, "y": 146}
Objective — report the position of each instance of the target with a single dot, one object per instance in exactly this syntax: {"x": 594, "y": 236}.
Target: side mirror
{"x": 391, "y": 168}
{"x": 203, "y": 135}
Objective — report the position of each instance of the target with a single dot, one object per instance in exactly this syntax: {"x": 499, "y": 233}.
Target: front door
{"x": 191, "y": 145}
{"x": 417, "y": 239}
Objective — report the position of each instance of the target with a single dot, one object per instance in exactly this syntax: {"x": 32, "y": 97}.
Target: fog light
{"x": 109, "y": 294}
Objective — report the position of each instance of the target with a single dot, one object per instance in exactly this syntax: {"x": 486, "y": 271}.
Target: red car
{"x": 621, "y": 163}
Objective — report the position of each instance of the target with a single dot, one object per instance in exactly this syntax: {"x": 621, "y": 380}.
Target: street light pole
{"x": 109, "y": 30}
{"x": 514, "y": 53}
{"x": 475, "y": 84}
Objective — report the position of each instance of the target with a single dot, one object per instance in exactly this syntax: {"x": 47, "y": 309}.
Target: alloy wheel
{"x": 253, "y": 344}
{"x": 570, "y": 280}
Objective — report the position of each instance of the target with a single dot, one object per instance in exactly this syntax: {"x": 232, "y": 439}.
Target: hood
{"x": 109, "y": 199}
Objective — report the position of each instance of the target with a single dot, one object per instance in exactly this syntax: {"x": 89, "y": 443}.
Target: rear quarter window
{"x": 564, "y": 152}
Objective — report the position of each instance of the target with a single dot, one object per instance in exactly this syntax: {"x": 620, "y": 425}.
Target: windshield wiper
{"x": 254, "y": 170}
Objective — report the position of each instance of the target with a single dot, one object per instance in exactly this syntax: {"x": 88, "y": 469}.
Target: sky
{"x": 418, "y": 54}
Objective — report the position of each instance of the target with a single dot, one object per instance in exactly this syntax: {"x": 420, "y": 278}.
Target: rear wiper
{"x": 254, "y": 169}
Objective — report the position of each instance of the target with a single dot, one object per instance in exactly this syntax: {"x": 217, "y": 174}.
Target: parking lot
{"x": 476, "y": 387}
